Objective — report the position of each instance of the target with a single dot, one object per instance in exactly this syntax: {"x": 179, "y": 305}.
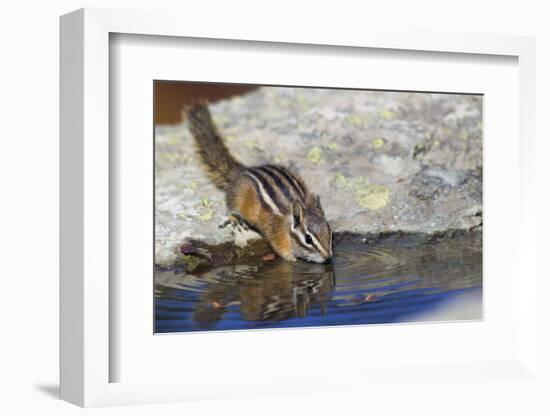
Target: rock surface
{"x": 382, "y": 162}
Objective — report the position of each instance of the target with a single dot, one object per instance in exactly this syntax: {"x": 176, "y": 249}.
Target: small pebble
{"x": 187, "y": 248}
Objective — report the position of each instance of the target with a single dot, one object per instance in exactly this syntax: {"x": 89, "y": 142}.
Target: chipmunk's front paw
{"x": 236, "y": 223}
{"x": 288, "y": 257}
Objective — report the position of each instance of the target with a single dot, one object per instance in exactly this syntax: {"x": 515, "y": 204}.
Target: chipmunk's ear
{"x": 297, "y": 213}
{"x": 318, "y": 203}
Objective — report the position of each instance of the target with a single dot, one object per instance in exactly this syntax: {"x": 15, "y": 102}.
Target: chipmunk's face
{"x": 311, "y": 234}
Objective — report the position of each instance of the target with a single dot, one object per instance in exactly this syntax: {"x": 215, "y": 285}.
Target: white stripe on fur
{"x": 265, "y": 196}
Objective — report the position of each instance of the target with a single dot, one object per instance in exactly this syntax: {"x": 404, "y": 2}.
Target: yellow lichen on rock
{"x": 221, "y": 119}
{"x": 207, "y": 215}
{"x": 206, "y": 208}
{"x": 340, "y": 179}
{"x": 302, "y": 103}
{"x": 174, "y": 140}
{"x": 355, "y": 120}
{"x": 356, "y": 184}
{"x": 387, "y": 114}
{"x": 230, "y": 138}
{"x": 373, "y": 197}
{"x": 254, "y": 145}
{"x": 366, "y": 195}
{"x": 315, "y": 155}
{"x": 192, "y": 186}
{"x": 206, "y": 202}
{"x": 378, "y": 142}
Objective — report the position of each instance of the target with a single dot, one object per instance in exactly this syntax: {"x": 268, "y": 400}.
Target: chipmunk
{"x": 269, "y": 199}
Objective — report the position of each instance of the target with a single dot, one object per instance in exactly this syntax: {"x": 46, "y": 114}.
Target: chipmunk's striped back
{"x": 277, "y": 187}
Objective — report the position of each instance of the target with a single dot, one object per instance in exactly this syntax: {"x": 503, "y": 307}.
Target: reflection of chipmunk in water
{"x": 276, "y": 291}
{"x": 270, "y": 198}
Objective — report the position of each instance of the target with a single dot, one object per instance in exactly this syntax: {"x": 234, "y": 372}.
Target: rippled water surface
{"x": 364, "y": 285}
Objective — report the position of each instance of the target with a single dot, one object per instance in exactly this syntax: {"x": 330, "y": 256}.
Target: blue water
{"x": 364, "y": 285}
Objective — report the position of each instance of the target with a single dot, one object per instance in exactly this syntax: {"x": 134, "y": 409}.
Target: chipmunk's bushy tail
{"x": 221, "y": 167}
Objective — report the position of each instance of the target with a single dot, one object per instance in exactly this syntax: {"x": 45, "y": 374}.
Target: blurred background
{"x": 171, "y": 97}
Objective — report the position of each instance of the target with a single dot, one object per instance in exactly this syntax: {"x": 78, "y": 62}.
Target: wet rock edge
{"x": 197, "y": 256}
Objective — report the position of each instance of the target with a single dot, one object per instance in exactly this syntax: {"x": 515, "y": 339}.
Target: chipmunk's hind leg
{"x": 244, "y": 202}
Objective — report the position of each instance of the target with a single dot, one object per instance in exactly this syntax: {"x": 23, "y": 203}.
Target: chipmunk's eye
{"x": 309, "y": 240}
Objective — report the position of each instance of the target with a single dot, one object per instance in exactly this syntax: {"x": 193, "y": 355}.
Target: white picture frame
{"x": 86, "y": 356}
